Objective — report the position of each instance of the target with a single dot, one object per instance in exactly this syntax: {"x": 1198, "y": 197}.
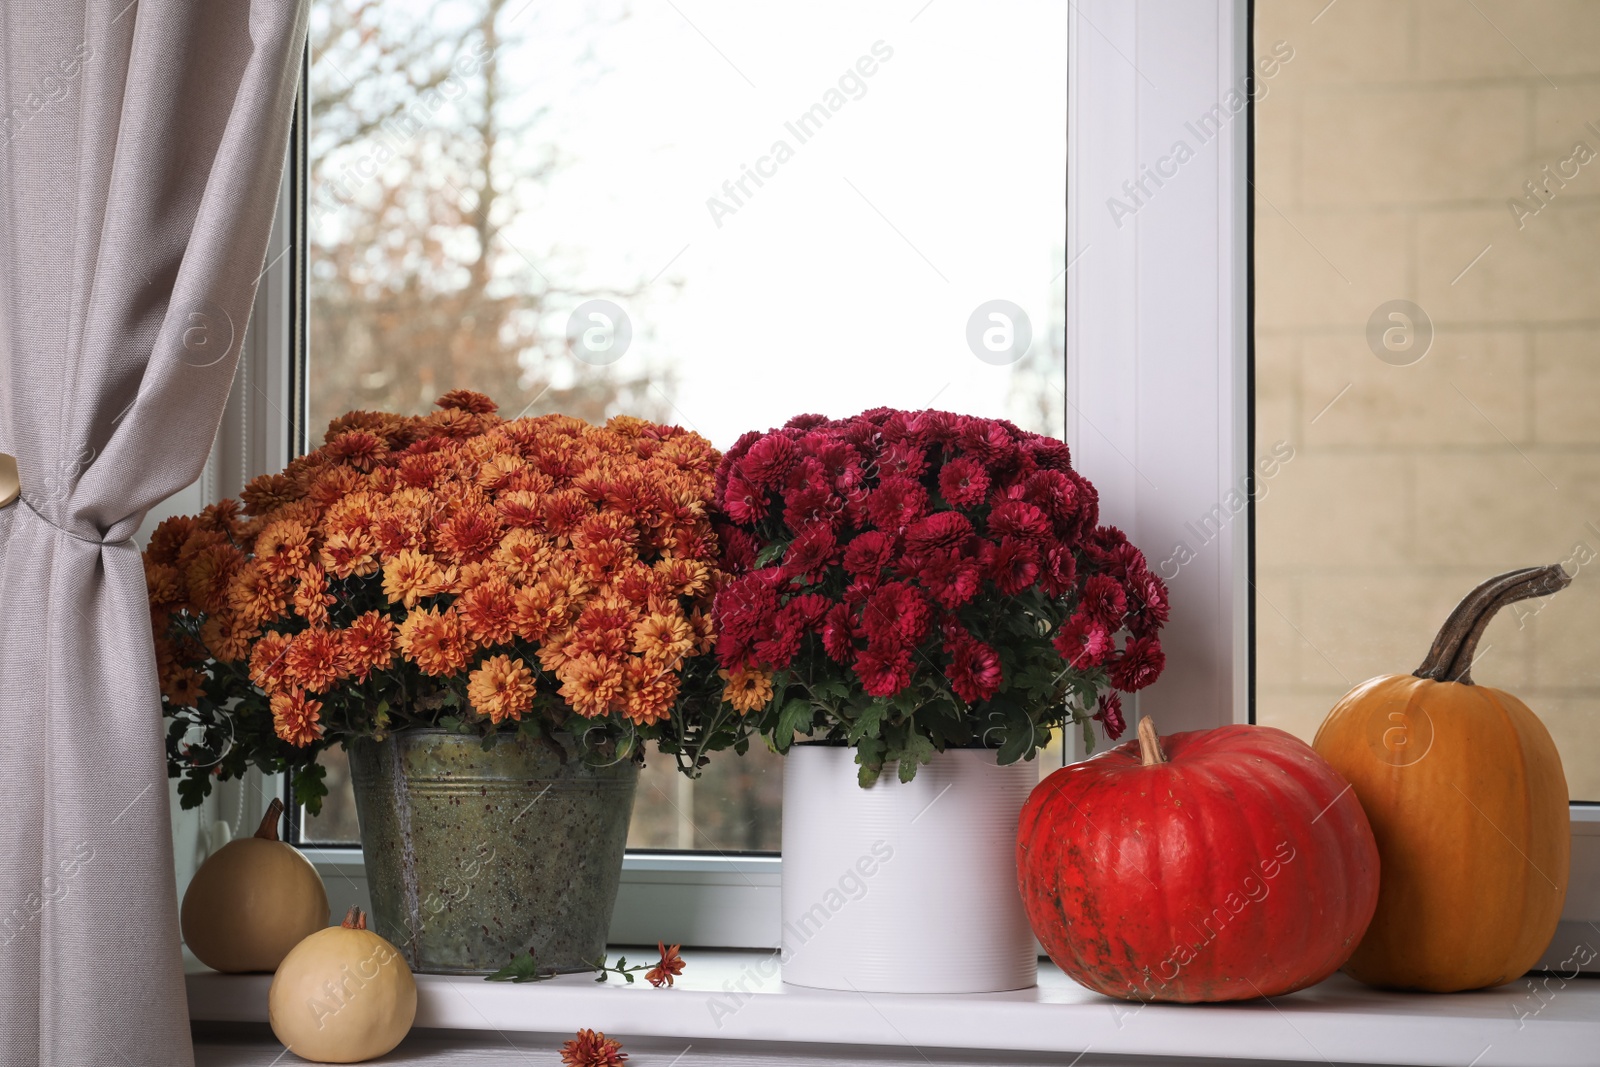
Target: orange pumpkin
{"x": 1463, "y": 787}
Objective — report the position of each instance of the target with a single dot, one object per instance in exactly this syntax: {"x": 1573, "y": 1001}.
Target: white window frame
{"x": 1153, "y": 360}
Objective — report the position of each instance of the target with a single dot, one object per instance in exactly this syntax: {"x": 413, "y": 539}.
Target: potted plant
{"x": 495, "y": 618}
{"x": 921, "y": 598}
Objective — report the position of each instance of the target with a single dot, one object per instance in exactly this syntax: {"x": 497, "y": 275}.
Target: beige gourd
{"x": 343, "y": 995}
{"x": 252, "y": 901}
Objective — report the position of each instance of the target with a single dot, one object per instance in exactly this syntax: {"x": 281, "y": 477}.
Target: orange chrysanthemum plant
{"x": 456, "y": 570}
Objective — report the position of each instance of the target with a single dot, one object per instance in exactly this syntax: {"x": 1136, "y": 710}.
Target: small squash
{"x": 1211, "y": 865}
{"x": 343, "y": 995}
{"x": 1464, "y": 789}
{"x": 252, "y": 901}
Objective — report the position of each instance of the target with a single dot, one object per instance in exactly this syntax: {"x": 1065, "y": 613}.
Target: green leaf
{"x": 794, "y": 718}
{"x": 1017, "y": 734}
{"x": 1018, "y": 743}
{"x": 523, "y": 968}
{"x": 770, "y": 553}
{"x": 907, "y": 701}
{"x": 310, "y": 787}
{"x": 869, "y": 723}
{"x": 869, "y": 757}
{"x": 919, "y": 750}
{"x": 193, "y": 790}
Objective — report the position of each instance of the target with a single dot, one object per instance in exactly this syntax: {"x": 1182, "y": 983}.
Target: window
{"x": 1161, "y": 403}
{"x": 713, "y": 214}
{"x": 1426, "y": 215}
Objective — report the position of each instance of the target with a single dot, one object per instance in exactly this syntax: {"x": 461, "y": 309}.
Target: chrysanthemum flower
{"x": 746, "y": 690}
{"x": 467, "y": 400}
{"x": 1083, "y": 642}
{"x": 436, "y": 641}
{"x": 334, "y": 484}
{"x": 183, "y": 686}
{"x": 591, "y": 684}
{"x": 225, "y": 639}
{"x": 884, "y": 672}
{"x": 400, "y": 526}
{"x": 471, "y": 575}
{"x": 498, "y": 470}
{"x": 974, "y": 669}
{"x": 311, "y": 597}
{"x": 490, "y": 612}
{"x": 1104, "y": 601}
{"x": 410, "y": 576}
{"x": 267, "y": 493}
{"x": 531, "y": 611}
{"x": 313, "y": 660}
{"x": 605, "y": 628}
{"x": 255, "y": 596}
{"x": 964, "y": 482}
{"x": 349, "y": 553}
{"x": 221, "y": 517}
{"x": 670, "y": 966}
{"x": 1140, "y": 663}
{"x": 564, "y": 510}
{"x": 207, "y": 574}
{"x": 169, "y": 536}
{"x": 1108, "y": 713}
{"x": 591, "y": 1049}
{"x": 361, "y": 449}
{"x": 521, "y": 508}
{"x": 267, "y": 667}
{"x": 165, "y": 585}
{"x": 453, "y": 422}
{"x": 502, "y": 688}
{"x": 523, "y": 555}
{"x": 296, "y": 718}
{"x": 368, "y": 644}
{"x": 663, "y": 638}
{"x": 469, "y": 535}
{"x": 283, "y": 548}
{"x": 649, "y": 691}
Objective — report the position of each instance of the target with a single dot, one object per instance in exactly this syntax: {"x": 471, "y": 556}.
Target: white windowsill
{"x": 1338, "y": 1021}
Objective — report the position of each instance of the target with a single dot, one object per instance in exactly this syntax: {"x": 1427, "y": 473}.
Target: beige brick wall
{"x": 1387, "y": 150}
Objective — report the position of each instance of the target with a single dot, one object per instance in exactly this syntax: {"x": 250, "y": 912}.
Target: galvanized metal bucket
{"x": 474, "y": 856}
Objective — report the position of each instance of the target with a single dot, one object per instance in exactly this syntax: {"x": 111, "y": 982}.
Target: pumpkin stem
{"x": 1150, "y": 752}
{"x": 269, "y": 822}
{"x": 354, "y": 919}
{"x": 1450, "y": 658}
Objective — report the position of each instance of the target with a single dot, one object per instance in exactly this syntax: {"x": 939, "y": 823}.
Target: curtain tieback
{"x": 10, "y": 484}
{"x": 11, "y": 493}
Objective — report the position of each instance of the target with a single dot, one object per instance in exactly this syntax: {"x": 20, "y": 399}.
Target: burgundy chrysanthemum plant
{"x": 907, "y": 582}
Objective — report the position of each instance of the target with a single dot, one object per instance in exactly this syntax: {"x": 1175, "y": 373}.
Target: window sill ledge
{"x": 1338, "y": 1021}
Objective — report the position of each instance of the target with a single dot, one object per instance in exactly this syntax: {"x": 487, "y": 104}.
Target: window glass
{"x": 1427, "y": 233}
{"x": 709, "y": 213}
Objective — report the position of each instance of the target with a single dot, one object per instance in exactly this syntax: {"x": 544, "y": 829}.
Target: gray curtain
{"x": 140, "y": 150}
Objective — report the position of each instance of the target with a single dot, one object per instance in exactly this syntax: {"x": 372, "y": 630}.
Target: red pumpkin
{"x": 1234, "y": 864}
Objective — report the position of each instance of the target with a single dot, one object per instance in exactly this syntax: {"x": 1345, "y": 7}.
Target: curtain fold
{"x": 141, "y": 144}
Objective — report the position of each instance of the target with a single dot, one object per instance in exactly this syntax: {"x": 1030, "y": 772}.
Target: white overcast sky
{"x": 807, "y": 298}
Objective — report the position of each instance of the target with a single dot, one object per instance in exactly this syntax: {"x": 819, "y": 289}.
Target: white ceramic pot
{"x": 904, "y": 887}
